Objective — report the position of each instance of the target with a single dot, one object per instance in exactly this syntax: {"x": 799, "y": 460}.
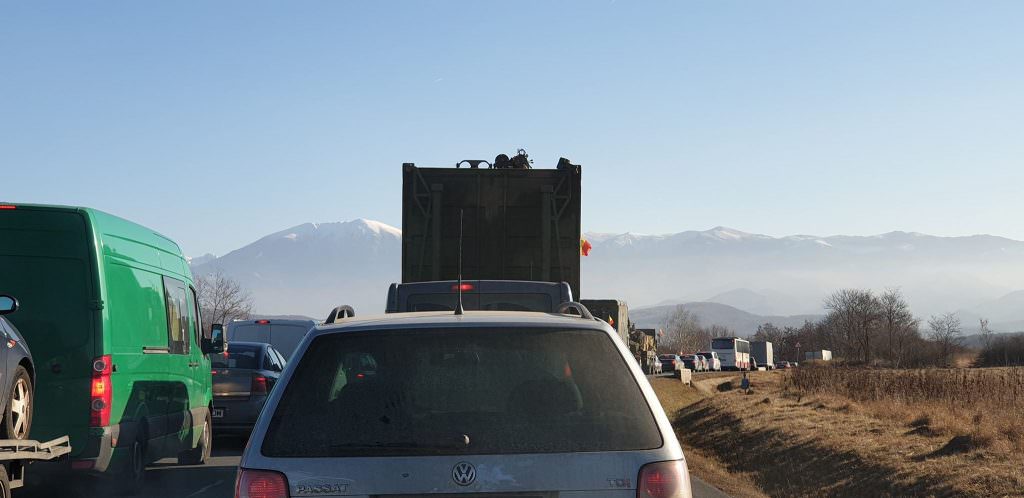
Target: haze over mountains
{"x": 311, "y": 268}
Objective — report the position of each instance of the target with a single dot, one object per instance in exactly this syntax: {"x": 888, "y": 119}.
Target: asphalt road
{"x": 216, "y": 479}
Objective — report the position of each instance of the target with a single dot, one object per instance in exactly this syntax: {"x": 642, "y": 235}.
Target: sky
{"x": 217, "y": 123}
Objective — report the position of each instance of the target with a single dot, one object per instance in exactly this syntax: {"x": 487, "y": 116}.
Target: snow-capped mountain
{"x": 310, "y": 268}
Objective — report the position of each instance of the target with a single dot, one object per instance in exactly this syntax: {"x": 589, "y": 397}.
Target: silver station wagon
{"x": 488, "y": 404}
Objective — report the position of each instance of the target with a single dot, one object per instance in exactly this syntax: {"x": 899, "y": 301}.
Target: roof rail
{"x": 566, "y": 308}
{"x": 340, "y": 313}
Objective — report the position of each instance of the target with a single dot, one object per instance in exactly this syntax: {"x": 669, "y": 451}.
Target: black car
{"x": 243, "y": 376}
{"x": 16, "y": 387}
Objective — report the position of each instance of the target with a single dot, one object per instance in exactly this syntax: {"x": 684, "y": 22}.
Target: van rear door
{"x": 47, "y": 261}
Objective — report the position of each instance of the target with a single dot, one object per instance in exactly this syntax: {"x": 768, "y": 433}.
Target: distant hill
{"x": 742, "y": 322}
{"x": 310, "y": 268}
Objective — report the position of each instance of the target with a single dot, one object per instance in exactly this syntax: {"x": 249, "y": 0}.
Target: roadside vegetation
{"x": 854, "y": 432}
{"x": 975, "y": 408}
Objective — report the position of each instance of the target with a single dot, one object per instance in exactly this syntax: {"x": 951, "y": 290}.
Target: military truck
{"x": 642, "y": 342}
{"x": 644, "y": 345}
{"x": 516, "y": 222}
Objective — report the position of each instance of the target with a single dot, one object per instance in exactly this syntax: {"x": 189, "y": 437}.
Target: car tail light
{"x": 262, "y": 322}
{"x": 7, "y": 206}
{"x": 664, "y": 480}
{"x": 464, "y": 287}
{"x": 259, "y": 384}
{"x": 102, "y": 392}
{"x": 260, "y": 484}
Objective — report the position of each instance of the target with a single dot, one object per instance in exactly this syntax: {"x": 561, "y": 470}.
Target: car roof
{"x": 437, "y": 319}
{"x": 246, "y": 343}
{"x": 273, "y": 321}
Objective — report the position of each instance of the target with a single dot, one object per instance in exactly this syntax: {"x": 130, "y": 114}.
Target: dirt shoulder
{"x": 786, "y": 445}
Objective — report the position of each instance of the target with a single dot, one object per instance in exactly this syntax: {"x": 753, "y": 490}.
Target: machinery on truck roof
{"x": 518, "y": 223}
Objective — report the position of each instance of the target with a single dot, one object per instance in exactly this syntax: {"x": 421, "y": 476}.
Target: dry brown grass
{"x": 821, "y": 442}
{"x": 675, "y": 397}
{"x": 983, "y": 406}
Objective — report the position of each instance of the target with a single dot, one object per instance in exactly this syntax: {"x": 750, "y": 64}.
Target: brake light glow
{"x": 664, "y": 480}
{"x": 7, "y": 206}
{"x": 102, "y": 392}
{"x": 259, "y": 384}
{"x": 260, "y": 484}
{"x": 262, "y": 322}
{"x": 465, "y": 287}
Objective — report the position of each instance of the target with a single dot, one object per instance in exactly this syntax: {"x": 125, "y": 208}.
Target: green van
{"x": 109, "y": 310}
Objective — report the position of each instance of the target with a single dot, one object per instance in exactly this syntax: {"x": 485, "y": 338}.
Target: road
{"x": 216, "y": 479}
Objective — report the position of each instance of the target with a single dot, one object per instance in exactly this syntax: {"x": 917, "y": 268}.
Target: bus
{"x": 733, "y": 352}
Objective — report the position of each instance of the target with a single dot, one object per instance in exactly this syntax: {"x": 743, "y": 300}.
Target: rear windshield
{"x": 285, "y": 337}
{"x": 493, "y": 302}
{"x": 458, "y": 391}
{"x": 237, "y": 356}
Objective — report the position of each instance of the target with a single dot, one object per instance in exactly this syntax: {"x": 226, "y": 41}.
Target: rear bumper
{"x": 237, "y": 416}
{"x": 94, "y": 455}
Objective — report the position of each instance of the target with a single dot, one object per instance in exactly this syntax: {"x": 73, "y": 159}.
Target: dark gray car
{"x": 17, "y": 395}
{"x": 243, "y": 377}
{"x": 502, "y": 403}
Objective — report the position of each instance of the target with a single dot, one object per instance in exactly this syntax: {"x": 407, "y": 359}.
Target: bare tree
{"x": 718, "y": 331}
{"x": 897, "y": 322}
{"x": 986, "y": 333}
{"x": 854, "y": 315}
{"x": 769, "y": 332}
{"x": 945, "y": 333}
{"x": 683, "y": 333}
{"x": 222, "y": 299}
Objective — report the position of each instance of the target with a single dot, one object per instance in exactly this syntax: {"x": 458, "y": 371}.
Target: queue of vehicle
{"x": 533, "y": 383}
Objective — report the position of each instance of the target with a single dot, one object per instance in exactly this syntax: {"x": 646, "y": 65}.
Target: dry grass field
{"x": 983, "y": 407}
{"x": 834, "y": 432}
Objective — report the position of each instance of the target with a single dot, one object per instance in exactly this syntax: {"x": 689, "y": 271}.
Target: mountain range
{"x": 310, "y": 268}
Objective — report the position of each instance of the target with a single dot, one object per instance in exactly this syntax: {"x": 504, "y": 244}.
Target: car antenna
{"x": 458, "y": 308}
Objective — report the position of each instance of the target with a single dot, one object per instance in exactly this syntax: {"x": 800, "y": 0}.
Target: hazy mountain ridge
{"x": 743, "y": 323}
{"x": 310, "y": 268}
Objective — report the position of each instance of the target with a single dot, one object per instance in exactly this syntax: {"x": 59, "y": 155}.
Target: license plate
{"x": 218, "y": 413}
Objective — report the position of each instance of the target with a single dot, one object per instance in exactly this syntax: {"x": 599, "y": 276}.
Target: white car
{"x": 487, "y": 402}
{"x": 714, "y": 364}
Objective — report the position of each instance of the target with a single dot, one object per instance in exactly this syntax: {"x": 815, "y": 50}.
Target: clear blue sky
{"x": 219, "y": 122}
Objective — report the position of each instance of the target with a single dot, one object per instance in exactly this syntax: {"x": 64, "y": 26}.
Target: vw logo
{"x": 464, "y": 473}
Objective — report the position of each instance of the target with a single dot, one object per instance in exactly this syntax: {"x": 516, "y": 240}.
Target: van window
{"x": 429, "y": 391}
{"x": 177, "y": 316}
{"x": 195, "y": 319}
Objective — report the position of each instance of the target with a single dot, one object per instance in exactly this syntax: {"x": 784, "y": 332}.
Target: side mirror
{"x": 8, "y": 304}
{"x": 215, "y": 344}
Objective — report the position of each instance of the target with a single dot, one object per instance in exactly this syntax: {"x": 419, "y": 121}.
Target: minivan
{"x": 110, "y": 310}
{"x": 284, "y": 334}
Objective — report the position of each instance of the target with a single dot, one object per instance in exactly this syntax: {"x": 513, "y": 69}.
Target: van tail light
{"x": 464, "y": 287}
{"x": 664, "y": 480}
{"x": 259, "y": 384}
{"x": 102, "y": 392}
{"x": 260, "y": 484}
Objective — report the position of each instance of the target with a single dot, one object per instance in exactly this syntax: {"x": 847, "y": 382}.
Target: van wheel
{"x": 201, "y": 453}
{"x": 18, "y": 412}
{"x": 130, "y": 483}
